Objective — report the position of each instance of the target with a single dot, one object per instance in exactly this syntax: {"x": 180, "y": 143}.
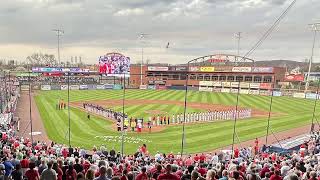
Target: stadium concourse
{"x": 22, "y": 158}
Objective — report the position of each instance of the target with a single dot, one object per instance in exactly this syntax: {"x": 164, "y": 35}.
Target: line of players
{"x": 200, "y": 116}
{"x": 105, "y": 112}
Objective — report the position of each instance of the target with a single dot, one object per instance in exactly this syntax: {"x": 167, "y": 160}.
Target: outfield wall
{"x": 262, "y": 89}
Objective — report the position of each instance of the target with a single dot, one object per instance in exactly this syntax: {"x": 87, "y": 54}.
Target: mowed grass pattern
{"x": 291, "y": 113}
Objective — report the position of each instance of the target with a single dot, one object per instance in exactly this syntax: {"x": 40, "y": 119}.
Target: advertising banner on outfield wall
{"x": 254, "y": 92}
{"x": 45, "y": 87}
{"x": 294, "y": 78}
{"x": 254, "y": 85}
{"x": 206, "y": 69}
{"x": 217, "y": 83}
{"x": 35, "y": 87}
{"x": 194, "y": 69}
{"x": 181, "y": 68}
{"x": 92, "y": 86}
{"x": 117, "y": 86}
{"x": 265, "y": 85}
{"x": 262, "y": 69}
{"x": 83, "y": 87}
{"x": 241, "y": 69}
{"x": 208, "y": 89}
{"x": 74, "y": 87}
{"x": 223, "y": 68}
{"x": 276, "y": 93}
{"x": 235, "y": 84}
{"x": 151, "y": 87}
{"x": 143, "y": 87}
{"x": 108, "y": 86}
{"x": 216, "y": 90}
{"x": 234, "y": 90}
{"x": 193, "y": 88}
{"x": 225, "y": 90}
{"x": 244, "y": 85}
{"x": 55, "y": 87}
{"x": 205, "y": 83}
{"x": 158, "y": 68}
{"x": 299, "y": 95}
{"x": 311, "y": 96}
{"x": 226, "y": 84}
{"x": 64, "y": 87}
{"x": 287, "y": 93}
{"x": 100, "y": 86}
{"x": 265, "y": 93}
{"x": 24, "y": 87}
{"x": 244, "y": 91}
{"x": 161, "y": 87}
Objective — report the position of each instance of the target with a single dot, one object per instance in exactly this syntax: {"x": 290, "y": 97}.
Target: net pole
{"x": 235, "y": 120}
{"x": 269, "y": 115}
{"x": 314, "y": 109}
{"x": 184, "y": 111}
{"x": 123, "y": 102}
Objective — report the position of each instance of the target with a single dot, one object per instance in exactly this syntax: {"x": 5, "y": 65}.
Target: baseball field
{"x": 287, "y": 113}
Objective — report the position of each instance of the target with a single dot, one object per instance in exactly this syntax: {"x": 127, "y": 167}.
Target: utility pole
{"x": 238, "y": 37}
{"x": 315, "y": 27}
{"x": 59, "y": 32}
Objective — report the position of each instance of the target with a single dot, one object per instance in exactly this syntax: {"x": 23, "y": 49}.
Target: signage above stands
{"x": 241, "y": 69}
{"x": 158, "y": 68}
{"x": 59, "y": 70}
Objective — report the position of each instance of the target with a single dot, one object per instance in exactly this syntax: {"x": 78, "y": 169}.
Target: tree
{"x": 39, "y": 59}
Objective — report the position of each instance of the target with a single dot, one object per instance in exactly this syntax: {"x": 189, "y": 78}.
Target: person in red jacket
{"x": 143, "y": 175}
{"x": 276, "y": 175}
{"x": 168, "y": 174}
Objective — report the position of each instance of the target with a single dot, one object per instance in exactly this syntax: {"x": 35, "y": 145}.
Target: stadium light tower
{"x": 238, "y": 37}
{"x": 142, "y": 36}
{"x": 315, "y": 27}
{"x": 59, "y": 33}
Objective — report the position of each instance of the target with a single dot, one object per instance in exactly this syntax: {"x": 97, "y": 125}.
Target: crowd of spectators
{"x": 22, "y": 159}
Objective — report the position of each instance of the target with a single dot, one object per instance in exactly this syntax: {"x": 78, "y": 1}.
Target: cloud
{"x": 129, "y": 12}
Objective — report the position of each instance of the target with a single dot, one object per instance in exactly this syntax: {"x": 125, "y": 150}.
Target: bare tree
{"x": 39, "y": 59}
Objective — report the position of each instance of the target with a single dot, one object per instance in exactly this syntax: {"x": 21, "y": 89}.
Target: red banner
{"x": 294, "y": 78}
{"x": 265, "y": 85}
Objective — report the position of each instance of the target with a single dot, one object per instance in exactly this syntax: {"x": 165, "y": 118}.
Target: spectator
{"x": 168, "y": 174}
{"x": 32, "y": 174}
{"x": 49, "y": 173}
{"x": 17, "y": 173}
{"x": 142, "y": 175}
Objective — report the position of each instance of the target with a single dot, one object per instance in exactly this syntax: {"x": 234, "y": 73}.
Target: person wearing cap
{"x": 187, "y": 174}
{"x": 143, "y": 175}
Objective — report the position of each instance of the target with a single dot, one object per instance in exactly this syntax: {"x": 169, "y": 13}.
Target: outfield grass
{"x": 291, "y": 113}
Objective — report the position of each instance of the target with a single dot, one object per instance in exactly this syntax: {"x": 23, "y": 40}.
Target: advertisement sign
{"x": 234, "y": 91}
{"x": 58, "y": 70}
{"x": 207, "y": 69}
{"x": 24, "y": 87}
{"x": 235, "y": 84}
{"x": 254, "y": 92}
{"x": 100, "y": 86}
{"x": 299, "y": 95}
{"x": 205, "y": 83}
{"x": 223, "y": 68}
{"x": 143, "y": 87}
{"x": 151, "y": 87}
{"x": 287, "y": 93}
{"x": 74, "y": 87}
{"x": 64, "y": 87}
{"x": 225, "y": 90}
{"x": 181, "y": 68}
{"x": 55, "y": 87}
{"x": 265, "y": 93}
{"x": 92, "y": 86}
{"x": 161, "y": 87}
{"x": 83, "y": 87}
{"x": 172, "y": 68}
{"x": 117, "y": 86}
{"x": 311, "y": 96}
{"x": 244, "y": 85}
{"x": 241, "y": 69}
{"x": 276, "y": 93}
{"x": 157, "y": 68}
{"x": 265, "y": 85}
{"x": 159, "y": 82}
{"x": 244, "y": 91}
{"x": 45, "y": 87}
{"x": 217, "y": 83}
{"x": 108, "y": 86}
{"x": 294, "y": 78}
{"x": 194, "y": 69}
{"x": 114, "y": 63}
{"x": 216, "y": 89}
{"x": 254, "y": 85}
{"x": 35, "y": 87}
{"x": 226, "y": 84}
{"x": 262, "y": 69}
{"x": 208, "y": 89}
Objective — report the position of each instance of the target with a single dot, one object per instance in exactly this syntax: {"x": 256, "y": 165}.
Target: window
{"x": 230, "y": 78}
{"x": 200, "y": 77}
{"x": 193, "y": 76}
{"x": 214, "y": 78}
{"x": 257, "y": 79}
{"x": 222, "y": 78}
{"x": 248, "y": 78}
{"x": 207, "y": 77}
{"x": 239, "y": 78}
{"x": 267, "y": 79}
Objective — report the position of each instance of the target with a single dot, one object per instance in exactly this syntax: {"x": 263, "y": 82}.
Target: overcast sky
{"x": 193, "y": 28}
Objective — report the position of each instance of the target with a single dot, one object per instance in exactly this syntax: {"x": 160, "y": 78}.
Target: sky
{"x": 193, "y": 28}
